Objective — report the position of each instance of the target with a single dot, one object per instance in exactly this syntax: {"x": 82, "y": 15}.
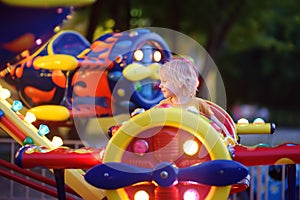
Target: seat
{"x": 224, "y": 118}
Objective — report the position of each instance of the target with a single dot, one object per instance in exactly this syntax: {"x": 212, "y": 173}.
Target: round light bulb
{"x": 57, "y": 141}
{"x": 243, "y": 121}
{"x": 191, "y": 194}
{"x": 157, "y": 56}
{"x": 190, "y": 147}
{"x": 4, "y": 93}
{"x": 141, "y": 195}
{"x": 29, "y": 117}
{"x": 258, "y": 121}
{"x": 138, "y": 55}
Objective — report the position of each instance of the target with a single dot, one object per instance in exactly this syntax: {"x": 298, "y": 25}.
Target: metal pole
{"x": 60, "y": 183}
{"x": 291, "y": 173}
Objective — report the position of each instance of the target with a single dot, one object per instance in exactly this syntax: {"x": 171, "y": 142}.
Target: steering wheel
{"x": 167, "y": 135}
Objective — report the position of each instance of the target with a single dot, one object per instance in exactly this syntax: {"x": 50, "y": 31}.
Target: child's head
{"x": 183, "y": 73}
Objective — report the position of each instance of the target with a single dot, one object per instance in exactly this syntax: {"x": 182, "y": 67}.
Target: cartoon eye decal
{"x": 157, "y": 56}
{"x": 138, "y": 55}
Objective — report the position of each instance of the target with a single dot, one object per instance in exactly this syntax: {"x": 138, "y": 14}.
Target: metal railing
{"x": 10, "y": 189}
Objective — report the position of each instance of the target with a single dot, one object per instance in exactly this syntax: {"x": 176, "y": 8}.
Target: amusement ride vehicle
{"x": 156, "y": 154}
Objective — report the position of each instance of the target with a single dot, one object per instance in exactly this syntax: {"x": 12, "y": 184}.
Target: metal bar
{"x": 291, "y": 173}
{"x": 28, "y": 183}
{"x": 283, "y": 183}
{"x": 60, "y": 183}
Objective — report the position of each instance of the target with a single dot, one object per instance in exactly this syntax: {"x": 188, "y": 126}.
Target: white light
{"x": 141, "y": 195}
{"x": 29, "y": 117}
{"x": 57, "y": 141}
{"x": 157, "y": 56}
{"x": 4, "y": 93}
{"x": 258, "y": 121}
{"x": 243, "y": 121}
{"x": 138, "y": 55}
{"x": 38, "y": 41}
{"x": 190, "y": 147}
{"x": 191, "y": 194}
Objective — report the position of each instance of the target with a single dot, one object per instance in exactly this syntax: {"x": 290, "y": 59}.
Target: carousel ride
{"x": 159, "y": 153}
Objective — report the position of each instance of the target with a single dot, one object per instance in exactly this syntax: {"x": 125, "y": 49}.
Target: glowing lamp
{"x": 17, "y": 106}
{"x": 243, "y": 121}
{"x": 258, "y": 121}
{"x": 4, "y": 93}
{"x": 191, "y": 194}
{"x": 57, "y": 141}
{"x": 29, "y": 117}
{"x": 157, "y": 56}
{"x": 43, "y": 130}
{"x": 190, "y": 147}
{"x": 38, "y": 41}
{"x": 138, "y": 55}
{"x": 141, "y": 195}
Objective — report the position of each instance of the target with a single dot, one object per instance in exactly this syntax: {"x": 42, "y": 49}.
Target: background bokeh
{"x": 255, "y": 44}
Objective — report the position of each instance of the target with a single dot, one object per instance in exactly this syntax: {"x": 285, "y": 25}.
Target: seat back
{"x": 224, "y": 118}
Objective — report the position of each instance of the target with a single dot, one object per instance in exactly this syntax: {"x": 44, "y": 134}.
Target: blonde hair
{"x": 181, "y": 72}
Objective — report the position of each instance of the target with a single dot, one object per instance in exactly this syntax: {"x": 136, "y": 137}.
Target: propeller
{"x": 113, "y": 175}
{"x": 136, "y": 72}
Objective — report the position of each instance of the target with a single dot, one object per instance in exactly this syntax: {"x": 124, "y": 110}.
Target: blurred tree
{"x": 254, "y": 43}
{"x": 260, "y": 60}
{"x": 114, "y": 15}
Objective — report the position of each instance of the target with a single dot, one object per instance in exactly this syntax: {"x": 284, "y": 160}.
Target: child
{"x": 179, "y": 83}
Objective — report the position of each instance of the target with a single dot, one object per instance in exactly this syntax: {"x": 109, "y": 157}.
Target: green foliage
{"x": 259, "y": 60}
{"x": 255, "y": 44}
